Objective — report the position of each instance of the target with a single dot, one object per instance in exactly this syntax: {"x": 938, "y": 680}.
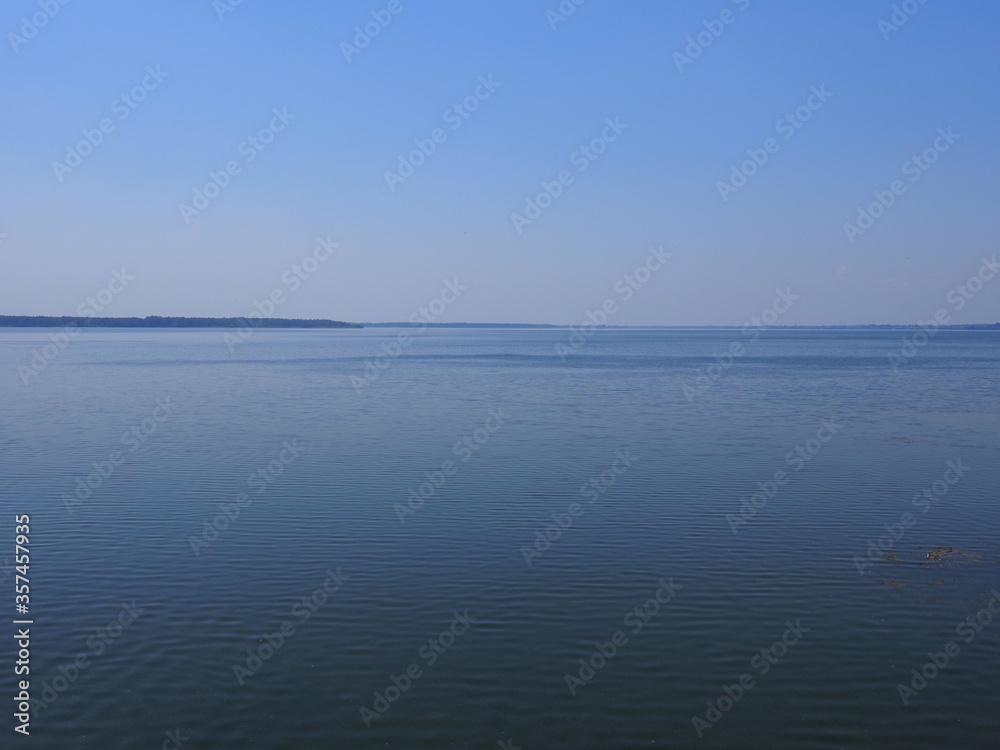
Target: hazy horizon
{"x": 530, "y": 324}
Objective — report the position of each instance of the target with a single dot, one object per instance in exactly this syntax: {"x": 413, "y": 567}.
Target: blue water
{"x": 513, "y": 434}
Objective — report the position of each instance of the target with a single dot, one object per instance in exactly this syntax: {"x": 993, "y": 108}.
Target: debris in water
{"x": 939, "y": 553}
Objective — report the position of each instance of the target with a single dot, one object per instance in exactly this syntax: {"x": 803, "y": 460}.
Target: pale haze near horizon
{"x": 63, "y": 234}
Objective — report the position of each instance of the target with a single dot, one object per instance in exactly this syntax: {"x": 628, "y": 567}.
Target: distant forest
{"x": 156, "y": 321}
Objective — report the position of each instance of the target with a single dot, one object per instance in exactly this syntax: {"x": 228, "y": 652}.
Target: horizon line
{"x": 109, "y": 322}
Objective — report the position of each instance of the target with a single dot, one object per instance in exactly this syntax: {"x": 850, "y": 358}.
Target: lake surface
{"x": 511, "y": 442}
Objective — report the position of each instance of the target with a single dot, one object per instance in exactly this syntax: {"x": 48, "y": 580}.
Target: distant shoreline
{"x": 871, "y": 326}
{"x": 156, "y": 321}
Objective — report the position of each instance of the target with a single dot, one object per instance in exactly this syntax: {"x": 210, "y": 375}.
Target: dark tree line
{"x": 156, "y": 321}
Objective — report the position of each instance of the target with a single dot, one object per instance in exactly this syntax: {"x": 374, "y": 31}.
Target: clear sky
{"x": 687, "y": 113}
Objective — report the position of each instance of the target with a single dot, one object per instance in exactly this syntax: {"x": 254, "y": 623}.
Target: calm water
{"x": 339, "y": 462}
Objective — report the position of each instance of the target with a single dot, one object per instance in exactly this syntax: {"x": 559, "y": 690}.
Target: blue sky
{"x": 657, "y": 184}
